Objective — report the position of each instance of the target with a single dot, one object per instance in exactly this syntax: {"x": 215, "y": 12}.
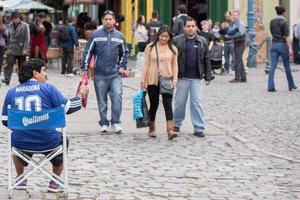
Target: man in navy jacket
{"x": 110, "y": 52}
{"x": 68, "y": 38}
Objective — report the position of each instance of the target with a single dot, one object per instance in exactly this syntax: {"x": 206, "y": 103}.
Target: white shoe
{"x": 103, "y": 128}
{"x": 116, "y": 128}
{"x": 70, "y": 75}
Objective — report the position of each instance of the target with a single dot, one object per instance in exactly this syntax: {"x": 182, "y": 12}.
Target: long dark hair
{"x": 160, "y": 31}
{"x": 139, "y": 20}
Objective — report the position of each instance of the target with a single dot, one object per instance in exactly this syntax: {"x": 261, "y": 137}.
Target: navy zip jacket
{"x": 110, "y": 52}
{"x": 73, "y": 40}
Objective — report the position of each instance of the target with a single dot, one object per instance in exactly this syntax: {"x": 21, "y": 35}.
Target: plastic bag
{"x": 143, "y": 122}
{"x": 138, "y": 105}
{"x": 84, "y": 81}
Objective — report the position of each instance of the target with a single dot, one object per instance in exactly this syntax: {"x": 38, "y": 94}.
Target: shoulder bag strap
{"x": 157, "y": 58}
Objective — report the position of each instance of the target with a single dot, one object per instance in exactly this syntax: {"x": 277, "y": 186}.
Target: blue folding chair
{"x": 28, "y": 120}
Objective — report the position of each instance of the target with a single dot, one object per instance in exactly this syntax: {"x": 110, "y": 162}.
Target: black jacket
{"x": 279, "y": 29}
{"x": 203, "y": 59}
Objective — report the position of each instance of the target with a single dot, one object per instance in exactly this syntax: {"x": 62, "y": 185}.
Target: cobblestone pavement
{"x": 251, "y": 150}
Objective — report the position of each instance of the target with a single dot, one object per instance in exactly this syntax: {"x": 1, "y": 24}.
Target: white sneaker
{"x": 70, "y": 75}
{"x": 103, "y": 128}
{"x": 116, "y": 128}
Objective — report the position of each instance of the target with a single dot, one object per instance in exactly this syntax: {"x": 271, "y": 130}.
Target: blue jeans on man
{"x": 112, "y": 86}
{"x": 185, "y": 87}
{"x": 280, "y": 49}
{"x": 229, "y": 53}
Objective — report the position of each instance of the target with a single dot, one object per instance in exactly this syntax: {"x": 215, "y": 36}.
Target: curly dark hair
{"x": 27, "y": 68}
{"x": 160, "y": 31}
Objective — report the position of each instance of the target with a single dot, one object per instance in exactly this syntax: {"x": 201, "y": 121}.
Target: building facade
{"x": 199, "y": 9}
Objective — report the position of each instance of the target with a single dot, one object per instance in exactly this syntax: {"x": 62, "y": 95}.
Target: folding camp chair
{"x": 28, "y": 120}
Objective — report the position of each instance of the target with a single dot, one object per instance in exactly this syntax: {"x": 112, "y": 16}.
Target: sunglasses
{"x": 108, "y": 12}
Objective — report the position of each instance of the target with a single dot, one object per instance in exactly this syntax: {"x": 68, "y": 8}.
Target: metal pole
{"x": 268, "y": 57}
{"x": 251, "y": 62}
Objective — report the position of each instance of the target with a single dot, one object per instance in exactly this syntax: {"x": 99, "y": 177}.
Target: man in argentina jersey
{"x": 33, "y": 94}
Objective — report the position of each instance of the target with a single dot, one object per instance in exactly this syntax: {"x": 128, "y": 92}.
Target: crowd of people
{"x": 177, "y": 62}
{"x": 225, "y": 39}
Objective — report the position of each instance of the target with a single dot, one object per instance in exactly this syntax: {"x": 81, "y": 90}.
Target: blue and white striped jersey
{"x": 36, "y": 96}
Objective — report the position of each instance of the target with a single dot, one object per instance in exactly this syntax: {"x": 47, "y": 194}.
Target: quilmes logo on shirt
{"x": 35, "y": 119}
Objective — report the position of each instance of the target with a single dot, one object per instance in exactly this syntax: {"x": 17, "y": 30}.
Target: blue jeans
{"x": 280, "y": 49}
{"x": 229, "y": 52}
{"x": 183, "y": 89}
{"x": 112, "y": 86}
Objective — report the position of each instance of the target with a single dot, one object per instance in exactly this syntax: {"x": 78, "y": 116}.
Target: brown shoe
{"x": 151, "y": 131}
{"x": 170, "y": 130}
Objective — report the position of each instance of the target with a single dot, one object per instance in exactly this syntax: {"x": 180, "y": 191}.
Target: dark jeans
{"x": 296, "y": 49}
{"x": 1, "y": 57}
{"x": 67, "y": 60}
{"x": 153, "y": 93}
{"x": 11, "y": 60}
{"x": 240, "y": 73}
{"x": 142, "y": 46}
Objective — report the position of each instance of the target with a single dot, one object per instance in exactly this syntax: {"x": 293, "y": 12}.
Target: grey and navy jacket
{"x": 110, "y": 52}
{"x": 203, "y": 59}
{"x": 19, "y": 39}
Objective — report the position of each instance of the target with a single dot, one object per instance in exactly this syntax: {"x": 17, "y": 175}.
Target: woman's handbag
{"x": 165, "y": 84}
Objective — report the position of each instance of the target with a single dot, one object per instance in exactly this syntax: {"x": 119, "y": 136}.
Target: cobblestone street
{"x": 251, "y": 149}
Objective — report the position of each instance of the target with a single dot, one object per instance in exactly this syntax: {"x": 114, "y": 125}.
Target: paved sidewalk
{"x": 251, "y": 150}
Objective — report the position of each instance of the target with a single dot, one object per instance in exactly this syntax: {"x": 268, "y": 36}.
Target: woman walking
{"x": 280, "y": 47}
{"x": 160, "y": 60}
{"x": 141, "y": 33}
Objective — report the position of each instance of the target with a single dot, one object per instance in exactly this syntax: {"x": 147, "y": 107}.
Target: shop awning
{"x": 69, "y": 2}
{"x": 26, "y": 6}
{"x": 9, "y": 3}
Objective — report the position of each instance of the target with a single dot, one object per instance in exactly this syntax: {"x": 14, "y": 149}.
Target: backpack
{"x": 216, "y": 52}
{"x": 180, "y": 23}
{"x": 64, "y": 33}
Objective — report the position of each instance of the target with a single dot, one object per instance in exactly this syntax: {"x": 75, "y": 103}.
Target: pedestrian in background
{"x": 179, "y": 20}
{"x": 296, "y": 42}
{"x": 228, "y": 44}
{"x": 141, "y": 33}
{"x": 18, "y": 47}
{"x": 109, "y": 48}
{"x": 210, "y": 23}
{"x": 238, "y": 32}
{"x": 206, "y": 33}
{"x": 153, "y": 26}
{"x": 193, "y": 66}
{"x": 160, "y": 60}
{"x": 38, "y": 38}
{"x": 3, "y": 38}
{"x": 90, "y": 28}
{"x": 280, "y": 47}
{"x": 68, "y": 39}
